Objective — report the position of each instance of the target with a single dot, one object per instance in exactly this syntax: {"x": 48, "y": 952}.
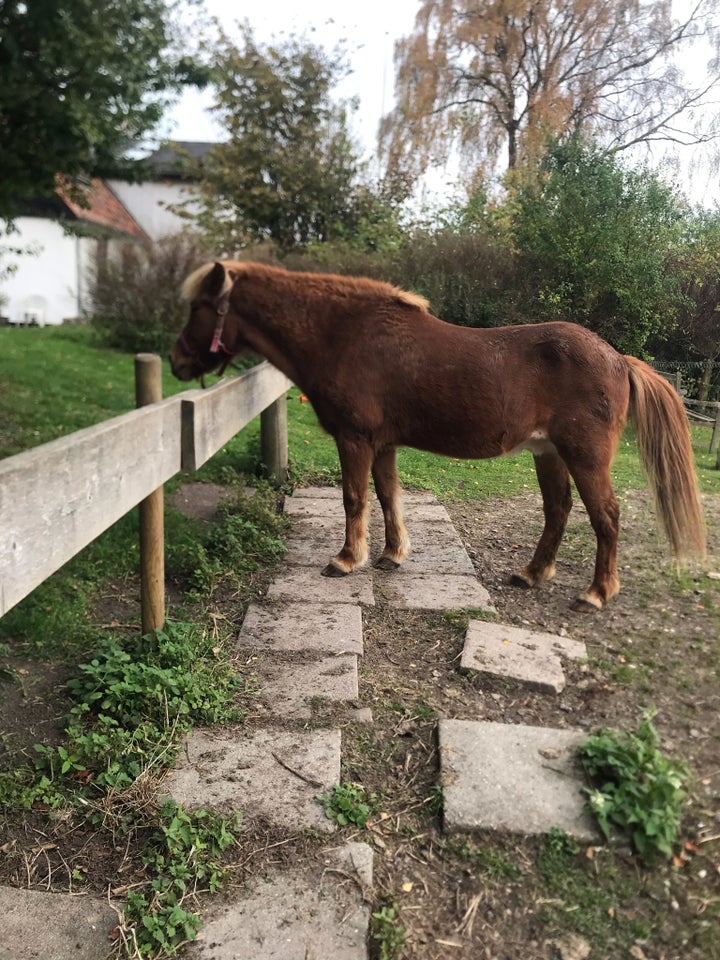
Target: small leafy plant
{"x": 134, "y": 701}
{"x": 388, "y": 934}
{"x": 183, "y": 856}
{"x": 348, "y": 803}
{"x": 637, "y": 788}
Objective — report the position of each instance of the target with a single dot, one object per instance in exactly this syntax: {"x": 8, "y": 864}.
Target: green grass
{"x": 54, "y": 381}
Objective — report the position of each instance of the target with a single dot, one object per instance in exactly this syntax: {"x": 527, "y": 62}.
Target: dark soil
{"x": 484, "y": 896}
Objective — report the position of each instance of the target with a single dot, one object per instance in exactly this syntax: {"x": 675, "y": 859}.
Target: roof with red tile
{"x": 103, "y": 208}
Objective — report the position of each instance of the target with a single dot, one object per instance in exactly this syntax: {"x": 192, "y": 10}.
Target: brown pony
{"x": 382, "y": 372}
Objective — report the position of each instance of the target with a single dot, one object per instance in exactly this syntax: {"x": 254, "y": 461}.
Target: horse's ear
{"x": 216, "y": 280}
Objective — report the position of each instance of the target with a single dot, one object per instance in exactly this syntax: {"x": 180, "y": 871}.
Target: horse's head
{"x": 207, "y": 341}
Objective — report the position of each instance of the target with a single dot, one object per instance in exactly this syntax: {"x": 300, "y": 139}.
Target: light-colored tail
{"x": 663, "y": 437}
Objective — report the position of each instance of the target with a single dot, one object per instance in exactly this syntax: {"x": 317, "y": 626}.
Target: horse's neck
{"x": 279, "y": 336}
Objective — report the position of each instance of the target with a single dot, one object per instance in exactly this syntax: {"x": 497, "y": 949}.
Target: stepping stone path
{"x": 302, "y": 643}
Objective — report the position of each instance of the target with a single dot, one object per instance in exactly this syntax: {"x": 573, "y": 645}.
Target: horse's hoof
{"x": 331, "y": 570}
{"x": 386, "y": 563}
{"x": 519, "y": 580}
{"x": 585, "y": 605}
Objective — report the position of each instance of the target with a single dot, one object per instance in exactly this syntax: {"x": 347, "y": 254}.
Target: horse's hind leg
{"x": 554, "y": 480}
{"x": 387, "y": 488}
{"x": 355, "y": 459}
{"x": 595, "y": 488}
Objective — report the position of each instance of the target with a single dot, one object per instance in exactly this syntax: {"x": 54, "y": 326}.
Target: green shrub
{"x": 135, "y": 301}
{"x": 637, "y": 788}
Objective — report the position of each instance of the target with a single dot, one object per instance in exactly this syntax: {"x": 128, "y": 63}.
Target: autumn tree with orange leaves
{"x": 497, "y": 78}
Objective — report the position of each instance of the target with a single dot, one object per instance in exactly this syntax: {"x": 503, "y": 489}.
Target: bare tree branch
{"x": 482, "y": 75}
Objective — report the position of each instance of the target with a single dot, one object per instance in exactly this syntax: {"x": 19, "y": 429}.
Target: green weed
{"x": 387, "y": 933}
{"x": 491, "y": 863}
{"x": 183, "y": 856}
{"x": 347, "y": 804}
{"x": 637, "y": 788}
{"x": 247, "y": 535}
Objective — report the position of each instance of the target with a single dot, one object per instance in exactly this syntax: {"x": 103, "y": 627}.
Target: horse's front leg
{"x": 356, "y": 457}
{"x": 387, "y": 488}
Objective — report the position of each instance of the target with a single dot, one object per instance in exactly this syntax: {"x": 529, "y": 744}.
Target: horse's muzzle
{"x": 183, "y": 369}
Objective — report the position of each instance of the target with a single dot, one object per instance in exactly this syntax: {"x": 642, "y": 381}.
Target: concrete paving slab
{"x": 501, "y": 776}
{"x": 408, "y": 496}
{"x": 286, "y": 688}
{"x": 330, "y": 530}
{"x": 423, "y": 512}
{"x": 450, "y": 558}
{"x": 53, "y": 926}
{"x": 272, "y": 775}
{"x": 533, "y": 659}
{"x": 314, "y": 507}
{"x": 314, "y": 548}
{"x": 419, "y": 591}
{"x": 330, "y": 627}
{"x": 305, "y": 584}
{"x": 429, "y": 533}
{"x": 332, "y": 493}
{"x": 320, "y": 911}
{"x": 418, "y": 496}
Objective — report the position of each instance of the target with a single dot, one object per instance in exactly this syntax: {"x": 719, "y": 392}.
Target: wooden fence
{"x": 698, "y": 411}
{"x": 56, "y": 498}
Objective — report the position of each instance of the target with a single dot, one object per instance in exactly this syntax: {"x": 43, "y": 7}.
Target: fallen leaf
{"x": 407, "y": 887}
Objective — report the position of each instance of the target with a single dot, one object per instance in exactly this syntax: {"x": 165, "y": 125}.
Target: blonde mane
{"x": 346, "y": 285}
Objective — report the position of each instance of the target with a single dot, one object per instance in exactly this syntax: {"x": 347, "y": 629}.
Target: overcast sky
{"x": 369, "y": 29}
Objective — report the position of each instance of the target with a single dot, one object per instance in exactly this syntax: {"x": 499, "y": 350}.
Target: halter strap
{"x": 217, "y": 345}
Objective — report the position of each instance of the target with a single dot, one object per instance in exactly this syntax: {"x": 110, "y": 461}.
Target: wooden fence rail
{"x": 58, "y": 497}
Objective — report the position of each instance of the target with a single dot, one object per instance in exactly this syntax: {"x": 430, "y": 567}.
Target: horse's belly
{"x": 537, "y": 443}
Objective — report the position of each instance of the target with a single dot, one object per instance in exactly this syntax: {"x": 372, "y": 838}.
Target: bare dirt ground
{"x": 484, "y": 896}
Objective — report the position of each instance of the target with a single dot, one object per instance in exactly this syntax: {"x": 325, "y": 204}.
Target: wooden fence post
{"x": 274, "y": 440}
{"x": 148, "y": 389}
{"x": 716, "y": 432}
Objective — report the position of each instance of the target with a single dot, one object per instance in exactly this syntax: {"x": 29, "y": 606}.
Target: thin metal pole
{"x": 148, "y": 389}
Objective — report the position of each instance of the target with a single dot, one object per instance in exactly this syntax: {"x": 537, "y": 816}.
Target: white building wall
{"x": 148, "y": 203}
{"x": 48, "y": 285}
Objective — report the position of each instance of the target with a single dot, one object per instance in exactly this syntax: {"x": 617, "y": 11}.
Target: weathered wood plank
{"x": 212, "y": 417}
{"x": 56, "y": 498}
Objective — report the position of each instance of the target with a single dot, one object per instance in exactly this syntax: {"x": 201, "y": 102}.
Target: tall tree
{"x": 79, "y": 81}
{"x": 494, "y": 76}
{"x": 288, "y": 170}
